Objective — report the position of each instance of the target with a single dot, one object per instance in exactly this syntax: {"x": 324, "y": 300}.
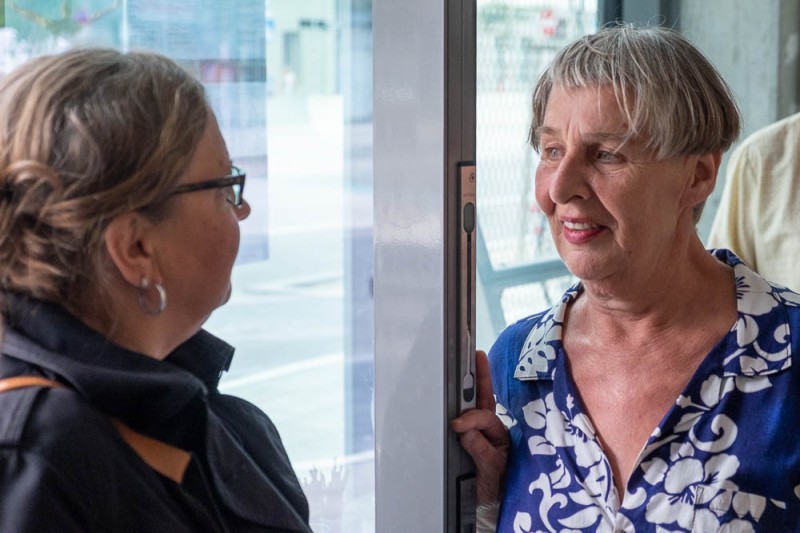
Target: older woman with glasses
{"x": 119, "y": 226}
{"x": 662, "y": 391}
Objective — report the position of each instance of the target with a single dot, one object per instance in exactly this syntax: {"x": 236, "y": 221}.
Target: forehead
{"x": 593, "y": 108}
{"x": 593, "y": 115}
{"x": 210, "y": 157}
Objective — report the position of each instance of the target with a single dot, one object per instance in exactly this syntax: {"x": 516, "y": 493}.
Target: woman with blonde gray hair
{"x": 119, "y": 226}
{"x": 661, "y": 393}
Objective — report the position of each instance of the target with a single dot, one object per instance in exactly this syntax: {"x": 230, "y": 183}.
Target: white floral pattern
{"x": 725, "y": 458}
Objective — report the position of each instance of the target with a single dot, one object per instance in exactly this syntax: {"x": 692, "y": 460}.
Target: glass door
{"x": 301, "y": 311}
{"x": 424, "y": 131}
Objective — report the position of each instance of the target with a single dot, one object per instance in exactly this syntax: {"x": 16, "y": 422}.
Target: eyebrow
{"x": 597, "y": 136}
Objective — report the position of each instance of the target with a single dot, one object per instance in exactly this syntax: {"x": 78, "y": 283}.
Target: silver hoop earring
{"x": 162, "y": 298}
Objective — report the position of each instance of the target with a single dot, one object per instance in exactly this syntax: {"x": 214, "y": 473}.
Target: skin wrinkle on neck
{"x": 638, "y": 362}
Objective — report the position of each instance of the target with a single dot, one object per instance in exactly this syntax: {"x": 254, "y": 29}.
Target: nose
{"x": 568, "y": 180}
{"x": 243, "y": 211}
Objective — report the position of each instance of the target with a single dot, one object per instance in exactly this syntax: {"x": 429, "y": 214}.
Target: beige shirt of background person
{"x": 759, "y": 213}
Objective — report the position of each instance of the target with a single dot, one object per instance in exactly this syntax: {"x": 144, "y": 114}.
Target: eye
{"x": 230, "y": 195}
{"x": 551, "y": 153}
{"x": 605, "y": 156}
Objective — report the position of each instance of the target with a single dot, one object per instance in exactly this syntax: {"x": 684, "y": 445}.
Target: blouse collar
{"x": 759, "y": 343}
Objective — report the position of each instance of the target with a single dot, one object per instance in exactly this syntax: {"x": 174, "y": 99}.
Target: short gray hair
{"x": 672, "y": 97}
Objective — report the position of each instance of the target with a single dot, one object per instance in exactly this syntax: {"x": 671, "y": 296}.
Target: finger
{"x": 490, "y": 463}
{"x": 486, "y": 422}
{"x": 478, "y": 446}
{"x": 485, "y": 398}
{"x": 479, "y": 419}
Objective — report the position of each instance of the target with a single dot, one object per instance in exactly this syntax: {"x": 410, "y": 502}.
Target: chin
{"x": 585, "y": 268}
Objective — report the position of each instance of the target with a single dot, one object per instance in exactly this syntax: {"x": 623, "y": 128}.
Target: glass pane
{"x": 516, "y": 39}
{"x": 301, "y": 312}
{"x": 290, "y": 83}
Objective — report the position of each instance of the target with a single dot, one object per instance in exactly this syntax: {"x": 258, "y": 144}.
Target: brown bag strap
{"x": 169, "y": 461}
{"x": 19, "y": 382}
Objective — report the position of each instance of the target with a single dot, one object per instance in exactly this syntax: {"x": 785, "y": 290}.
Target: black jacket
{"x": 64, "y": 467}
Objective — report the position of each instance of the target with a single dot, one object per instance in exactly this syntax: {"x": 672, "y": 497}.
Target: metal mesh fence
{"x": 516, "y": 301}
{"x": 515, "y": 41}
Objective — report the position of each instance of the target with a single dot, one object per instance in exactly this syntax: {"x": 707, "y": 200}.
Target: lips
{"x": 576, "y": 232}
{"x": 579, "y": 225}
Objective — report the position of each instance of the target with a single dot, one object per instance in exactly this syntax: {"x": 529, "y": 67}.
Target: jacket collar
{"x": 750, "y": 350}
{"x": 143, "y": 392}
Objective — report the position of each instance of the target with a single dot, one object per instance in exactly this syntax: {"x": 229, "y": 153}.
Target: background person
{"x": 119, "y": 226}
{"x": 759, "y": 212}
{"x": 660, "y": 393}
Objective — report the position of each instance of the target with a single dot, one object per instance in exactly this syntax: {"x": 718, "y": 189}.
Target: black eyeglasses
{"x": 233, "y": 185}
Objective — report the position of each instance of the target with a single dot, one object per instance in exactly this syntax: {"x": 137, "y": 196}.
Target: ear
{"x": 128, "y": 247}
{"x": 701, "y": 177}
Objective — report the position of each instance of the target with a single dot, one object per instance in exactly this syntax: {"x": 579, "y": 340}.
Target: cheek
{"x": 542, "y": 192}
{"x": 231, "y": 246}
{"x": 234, "y": 244}
{"x": 226, "y": 245}
{"x": 219, "y": 245}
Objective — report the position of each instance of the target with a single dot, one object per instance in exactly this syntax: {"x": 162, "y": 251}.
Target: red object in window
{"x": 549, "y": 22}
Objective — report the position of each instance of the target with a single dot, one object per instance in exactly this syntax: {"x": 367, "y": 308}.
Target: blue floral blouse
{"x": 725, "y": 457}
